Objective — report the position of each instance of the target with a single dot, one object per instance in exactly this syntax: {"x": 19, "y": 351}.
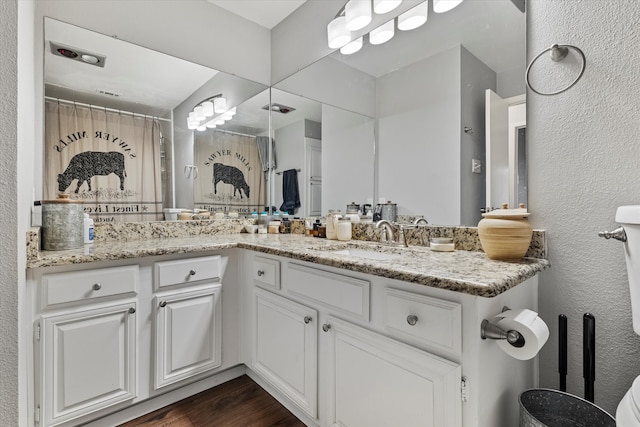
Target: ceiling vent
{"x": 107, "y": 93}
{"x": 279, "y": 108}
{"x": 77, "y": 54}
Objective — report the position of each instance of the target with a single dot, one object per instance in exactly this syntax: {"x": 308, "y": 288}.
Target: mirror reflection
{"x": 327, "y": 150}
{"x": 427, "y": 89}
{"x": 116, "y": 129}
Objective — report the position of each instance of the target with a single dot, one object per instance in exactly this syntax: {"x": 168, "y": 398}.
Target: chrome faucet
{"x": 420, "y": 221}
{"x": 387, "y": 231}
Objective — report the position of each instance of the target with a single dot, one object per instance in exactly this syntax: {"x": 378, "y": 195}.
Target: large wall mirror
{"x": 117, "y": 134}
{"x": 424, "y": 94}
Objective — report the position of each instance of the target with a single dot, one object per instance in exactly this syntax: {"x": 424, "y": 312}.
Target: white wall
{"x": 584, "y": 152}
{"x": 419, "y": 142}
{"x": 475, "y": 79}
{"x": 347, "y": 158}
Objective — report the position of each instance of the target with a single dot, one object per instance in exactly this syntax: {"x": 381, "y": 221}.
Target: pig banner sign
{"x": 110, "y": 160}
{"x": 230, "y": 177}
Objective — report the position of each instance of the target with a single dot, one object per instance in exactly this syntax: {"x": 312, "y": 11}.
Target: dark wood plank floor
{"x": 237, "y": 403}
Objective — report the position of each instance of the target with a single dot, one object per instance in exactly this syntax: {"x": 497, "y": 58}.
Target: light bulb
{"x": 413, "y": 18}
{"x": 220, "y": 105}
{"x": 207, "y": 108}
{"x": 384, "y": 6}
{"x": 337, "y": 33}
{"x": 441, "y": 6}
{"x": 352, "y": 47}
{"x": 357, "y": 14}
{"x": 201, "y": 128}
{"x": 382, "y": 34}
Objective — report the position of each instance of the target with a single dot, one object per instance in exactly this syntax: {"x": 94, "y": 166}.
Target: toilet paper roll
{"x": 532, "y": 328}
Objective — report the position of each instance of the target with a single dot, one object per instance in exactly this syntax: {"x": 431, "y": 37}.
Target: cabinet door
{"x": 315, "y": 198}
{"x": 88, "y": 360}
{"x": 188, "y": 334}
{"x": 285, "y": 348}
{"x": 375, "y": 381}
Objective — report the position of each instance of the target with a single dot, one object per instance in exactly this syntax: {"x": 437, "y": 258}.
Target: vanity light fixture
{"x": 210, "y": 113}
{"x": 382, "y": 34}
{"x": 441, "y": 6}
{"x": 413, "y": 18}
{"x": 384, "y": 6}
{"x": 357, "y": 14}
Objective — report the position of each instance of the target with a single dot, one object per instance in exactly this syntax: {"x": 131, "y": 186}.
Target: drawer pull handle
{"x": 260, "y": 273}
{"x": 412, "y": 319}
{"x": 132, "y": 310}
{"x": 96, "y": 286}
{"x": 163, "y": 304}
{"x": 326, "y": 327}
{"x": 307, "y": 319}
{"x": 192, "y": 272}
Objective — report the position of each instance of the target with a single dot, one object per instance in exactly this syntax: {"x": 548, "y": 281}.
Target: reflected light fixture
{"x": 441, "y": 6}
{"x": 357, "y": 14}
{"x": 209, "y": 113}
{"x": 382, "y": 34}
{"x": 384, "y": 6}
{"x": 352, "y": 47}
{"x": 413, "y": 18}
{"x": 337, "y": 33}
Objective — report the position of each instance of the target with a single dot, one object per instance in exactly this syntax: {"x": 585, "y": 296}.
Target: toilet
{"x": 628, "y": 412}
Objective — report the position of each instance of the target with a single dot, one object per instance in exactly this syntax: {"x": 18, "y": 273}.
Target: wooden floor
{"x": 237, "y": 403}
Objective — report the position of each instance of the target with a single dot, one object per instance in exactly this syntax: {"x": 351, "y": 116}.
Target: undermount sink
{"x": 367, "y": 254}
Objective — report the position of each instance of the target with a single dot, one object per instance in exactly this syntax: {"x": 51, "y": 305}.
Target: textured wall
{"x": 8, "y": 222}
{"x": 584, "y": 152}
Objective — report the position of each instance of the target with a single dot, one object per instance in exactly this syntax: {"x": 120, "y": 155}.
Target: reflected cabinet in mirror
{"x": 118, "y": 136}
{"x": 427, "y": 92}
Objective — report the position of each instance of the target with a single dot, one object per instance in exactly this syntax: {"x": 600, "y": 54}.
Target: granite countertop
{"x": 469, "y": 272}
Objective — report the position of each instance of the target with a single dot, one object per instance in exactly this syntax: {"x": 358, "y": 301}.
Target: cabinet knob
{"x": 260, "y": 272}
{"x": 163, "y": 304}
{"x": 192, "y": 272}
{"x": 307, "y": 319}
{"x": 412, "y": 319}
{"x": 132, "y": 310}
{"x": 326, "y": 327}
{"x": 96, "y": 286}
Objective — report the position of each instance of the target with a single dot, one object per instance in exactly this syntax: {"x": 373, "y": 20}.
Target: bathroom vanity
{"x": 347, "y": 334}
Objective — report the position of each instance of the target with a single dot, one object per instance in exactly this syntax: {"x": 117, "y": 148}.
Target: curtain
{"x": 110, "y": 160}
{"x": 230, "y": 177}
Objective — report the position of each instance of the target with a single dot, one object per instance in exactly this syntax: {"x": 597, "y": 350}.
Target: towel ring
{"x": 558, "y": 53}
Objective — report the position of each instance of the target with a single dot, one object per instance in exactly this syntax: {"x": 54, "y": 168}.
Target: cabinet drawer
{"x": 425, "y": 320}
{"x": 59, "y": 288}
{"x": 343, "y": 294}
{"x": 266, "y": 272}
{"x": 169, "y": 273}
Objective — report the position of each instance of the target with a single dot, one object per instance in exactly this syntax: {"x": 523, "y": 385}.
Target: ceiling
{"x": 265, "y": 13}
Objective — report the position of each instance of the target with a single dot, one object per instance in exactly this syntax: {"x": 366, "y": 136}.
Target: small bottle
{"x": 316, "y": 226}
{"x": 88, "y": 229}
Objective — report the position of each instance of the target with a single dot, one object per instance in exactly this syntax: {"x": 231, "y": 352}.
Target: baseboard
{"x": 157, "y": 402}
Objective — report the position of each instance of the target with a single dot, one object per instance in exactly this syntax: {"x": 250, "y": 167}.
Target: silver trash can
{"x": 552, "y": 408}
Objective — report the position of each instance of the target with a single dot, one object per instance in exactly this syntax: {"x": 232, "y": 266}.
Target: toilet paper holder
{"x": 489, "y": 329}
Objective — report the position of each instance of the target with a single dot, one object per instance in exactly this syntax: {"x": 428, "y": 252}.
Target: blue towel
{"x": 290, "y": 192}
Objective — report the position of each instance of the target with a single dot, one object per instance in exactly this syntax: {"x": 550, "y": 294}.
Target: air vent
{"x": 279, "y": 108}
{"x": 76, "y": 54}
{"x": 107, "y": 93}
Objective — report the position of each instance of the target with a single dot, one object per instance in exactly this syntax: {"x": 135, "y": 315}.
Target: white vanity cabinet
{"x": 111, "y": 334}
{"x": 389, "y": 353}
{"x": 187, "y": 319}
{"x": 86, "y": 342}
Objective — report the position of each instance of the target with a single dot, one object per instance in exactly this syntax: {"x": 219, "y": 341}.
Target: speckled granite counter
{"x": 469, "y": 272}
